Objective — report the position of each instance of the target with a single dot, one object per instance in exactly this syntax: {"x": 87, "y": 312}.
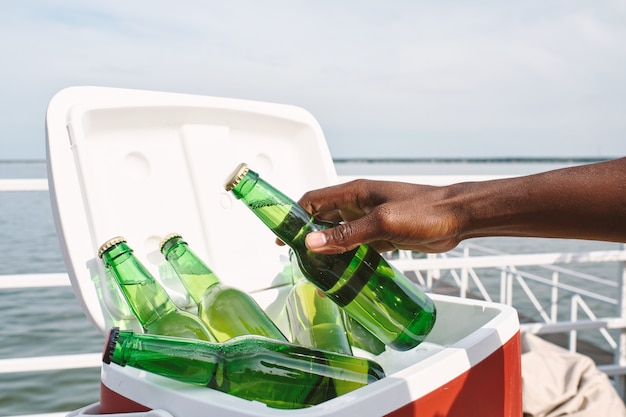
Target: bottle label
{"x": 356, "y": 276}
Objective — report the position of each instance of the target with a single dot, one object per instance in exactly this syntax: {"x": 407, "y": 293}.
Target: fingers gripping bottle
{"x": 279, "y": 374}
{"x": 228, "y": 312}
{"x": 360, "y": 281}
{"x": 150, "y": 303}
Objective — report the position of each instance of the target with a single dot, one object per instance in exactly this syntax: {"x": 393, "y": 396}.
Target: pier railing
{"x": 552, "y": 299}
{"x": 554, "y": 295}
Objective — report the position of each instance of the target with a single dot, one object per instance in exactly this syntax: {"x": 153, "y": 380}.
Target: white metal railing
{"x": 35, "y": 184}
{"x": 50, "y": 363}
{"x": 461, "y": 268}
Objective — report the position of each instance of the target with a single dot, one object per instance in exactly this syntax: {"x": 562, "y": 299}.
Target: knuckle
{"x": 342, "y": 232}
{"x": 342, "y": 237}
{"x": 383, "y": 217}
{"x": 306, "y": 201}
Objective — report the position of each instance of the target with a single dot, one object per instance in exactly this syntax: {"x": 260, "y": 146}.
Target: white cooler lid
{"x": 143, "y": 164}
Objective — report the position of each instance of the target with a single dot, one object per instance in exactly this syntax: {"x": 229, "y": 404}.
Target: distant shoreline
{"x": 500, "y": 160}
{"x": 22, "y": 161}
{"x": 484, "y": 160}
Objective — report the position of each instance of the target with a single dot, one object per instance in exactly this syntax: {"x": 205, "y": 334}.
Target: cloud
{"x": 459, "y": 76}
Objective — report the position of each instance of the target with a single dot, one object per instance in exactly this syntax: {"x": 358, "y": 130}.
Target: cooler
{"x": 143, "y": 164}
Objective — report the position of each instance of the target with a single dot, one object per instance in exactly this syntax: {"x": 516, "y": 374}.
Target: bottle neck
{"x": 116, "y": 346}
{"x": 145, "y": 296}
{"x": 286, "y": 218}
{"x": 179, "y": 358}
{"x": 117, "y": 254}
{"x": 195, "y": 275}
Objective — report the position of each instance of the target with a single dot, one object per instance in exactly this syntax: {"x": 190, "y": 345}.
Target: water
{"x": 408, "y": 167}
{"x": 28, "y": 244}
{"x": 29, "y": 327}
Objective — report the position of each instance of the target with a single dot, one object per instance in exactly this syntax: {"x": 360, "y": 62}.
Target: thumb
{"x": 337, "y": 239}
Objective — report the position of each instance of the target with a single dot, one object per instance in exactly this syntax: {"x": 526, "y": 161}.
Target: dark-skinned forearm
{"x": 583, "y": 202}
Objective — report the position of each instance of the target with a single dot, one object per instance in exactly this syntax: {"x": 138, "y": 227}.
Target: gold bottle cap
{"x": 167, "y": 238}
{"x": 236, "y": 176}
{"x": 109, "y": 244}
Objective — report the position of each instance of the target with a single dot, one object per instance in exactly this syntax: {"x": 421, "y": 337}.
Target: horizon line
{"x": 478, "y": 159}
{"x": 485, "y": 159}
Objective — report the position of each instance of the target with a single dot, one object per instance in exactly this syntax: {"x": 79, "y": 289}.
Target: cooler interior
{"x": 144, "y": 164}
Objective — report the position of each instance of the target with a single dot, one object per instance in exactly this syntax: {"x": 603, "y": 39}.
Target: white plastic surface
{"x": 144, "y": 164}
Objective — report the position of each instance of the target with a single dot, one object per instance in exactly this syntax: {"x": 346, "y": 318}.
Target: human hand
{"x": 384, "y": 214}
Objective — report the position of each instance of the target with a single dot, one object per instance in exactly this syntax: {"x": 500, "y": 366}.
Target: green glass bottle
{"x": 361, "y": 338}
{"x": 314, "y": 320}
{"x": 360, "y": 281}
{"x": 228, "y": 312}
{"x": 279, "y": 374}
{"x": 150, "y": 303}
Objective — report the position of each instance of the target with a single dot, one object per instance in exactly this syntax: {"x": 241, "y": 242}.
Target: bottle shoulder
{"x": 180, "y": 323}
{"x": 230, "y": 298}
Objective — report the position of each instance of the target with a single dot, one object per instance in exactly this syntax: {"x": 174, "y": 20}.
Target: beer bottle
{"x": 228, "y": 312}
{"x": 279, "y": 374}
{"x": 361, "y": 338}
{"x": 314, "y": 320}
{"x": 360, "y": 281}
{"x": 318, "y": 322}
{"x": 149, "y": 302}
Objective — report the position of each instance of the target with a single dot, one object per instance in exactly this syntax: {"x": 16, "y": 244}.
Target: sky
{"x": 394, "y": 79}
